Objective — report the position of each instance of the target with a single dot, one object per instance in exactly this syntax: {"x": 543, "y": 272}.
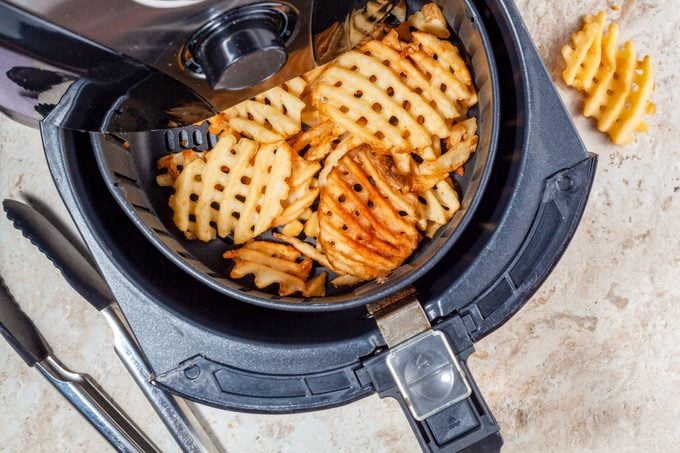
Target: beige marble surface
{"x": 592, "y": 363}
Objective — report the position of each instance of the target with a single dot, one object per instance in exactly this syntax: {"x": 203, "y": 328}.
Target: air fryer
{"x": 206, "y": 346}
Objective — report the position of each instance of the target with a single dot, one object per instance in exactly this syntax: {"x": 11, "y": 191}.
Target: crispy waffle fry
{"x": 272, "y": 116}
{"x": 303, "y": 190}
{"x": 436, "y": 207}
{"x": 584, "y": 55}
{"x": 312, "y": 225}
{"x": 430, "y": 19}
{"x": 618, "y": 86}
{"x": 346, "y": 280}
{"x": 293, "y": 228}
{"x": 621, "y": 96}
{"x": 317, "y": 141}
{"x": 239, "y": 190}
{"x": 173, "y": 164}
{"x": 460, "y": 145}
{"x": 366, "y": 225}
{"x": 272, "y": 263}
{"x": 306, "y": 249}
{"x": 393, "y": 102}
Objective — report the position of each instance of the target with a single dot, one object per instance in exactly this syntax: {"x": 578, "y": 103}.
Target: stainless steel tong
{"x": 84, "y": 278}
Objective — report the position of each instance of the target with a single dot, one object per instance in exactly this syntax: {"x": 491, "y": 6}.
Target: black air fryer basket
{"x": 214, "y": 349}
{"x": 128, "y": 164}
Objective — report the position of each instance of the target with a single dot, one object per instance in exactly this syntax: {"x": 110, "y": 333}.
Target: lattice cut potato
{"x": 436, "y": 207}
{"x": 303, "y": 190}
{"x": 271, "y": 116}
{"x": 173, "y": 164}
{"x": 238, "y": 190}
{"x": 273, "y": 263}
{"x": 621, "y": 96}
{"x": 617, "y": 85}
{"x": 366, "y": 224}
{"x": 584, "y": 55}
{"x": 430, "y": 19}
{"x": 394, "y": 99}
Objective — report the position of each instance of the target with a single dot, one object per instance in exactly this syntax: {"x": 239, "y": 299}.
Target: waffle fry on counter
{"x": 617, "y": 87}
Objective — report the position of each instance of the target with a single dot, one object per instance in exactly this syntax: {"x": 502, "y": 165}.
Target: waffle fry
{"x": 293, "y": 228}
{"x": 584, "y": 55}
{"x": 436, "y": 207}
{"x": 357, "y": 187}
{"x": 239, "y": 190}
{"x": 273, "y": 263}
{"x": 303, "y": 190}
{"x": 367, "y": 227}
{"x": 460, "y": 145}
{"x": 617, "y": 85}
{"x": 621, "y": 96}
{"x": 173, "y": 164}
{"x": 316, "y": 142}
{"x": 272, "y": 116}
{"x": 392, "y": 102}
{"x": 306, "y": 249}
{"x": 430, "y": 19}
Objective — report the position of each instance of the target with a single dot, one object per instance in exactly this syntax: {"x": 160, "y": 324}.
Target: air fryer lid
{"x": 127, "y": 162}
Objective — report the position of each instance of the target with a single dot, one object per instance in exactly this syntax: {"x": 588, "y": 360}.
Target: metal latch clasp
{"x": 421, "y": 360}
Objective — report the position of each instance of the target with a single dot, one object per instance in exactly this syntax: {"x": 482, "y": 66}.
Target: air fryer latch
{"x": 421, "y": 361}
{"x": 425, "y": 370}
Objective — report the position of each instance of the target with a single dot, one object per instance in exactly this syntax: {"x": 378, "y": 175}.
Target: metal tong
{"x": 81, "y": 391}
{"x": 86, "y": 280}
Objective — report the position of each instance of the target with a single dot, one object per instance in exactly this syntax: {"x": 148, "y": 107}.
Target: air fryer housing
{"x": 217, "y": 351}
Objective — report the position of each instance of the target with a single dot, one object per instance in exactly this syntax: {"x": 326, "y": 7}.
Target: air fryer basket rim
{"x": 488, "y": 118}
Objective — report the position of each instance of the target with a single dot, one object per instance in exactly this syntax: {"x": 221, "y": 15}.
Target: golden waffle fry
{"x": 272, "y": 116}
{"x": 347, "y": 142}
{"x": 584, "y": 56}
{"x": 621, "y": 96}
{"x": 306, "y": 249}
{"x": 618, "y": 87}
{"x": 293, "y": 228}
{"x": 312, "y": 225}
{"x": 173, "y": 164}
{"x": 238, "y": 190}
{"x": 430, "y": 19}
{"x": 272, "y": 263}
{"x": 396, "y": 102}
{"x": 303, "y": 190}
{"x": 367, "y": 226}
{"x": 346, "y": 280}
{"x": 436, "y": 207}
{"x": 317, "y": 141}
{"x": 460, "y": 145}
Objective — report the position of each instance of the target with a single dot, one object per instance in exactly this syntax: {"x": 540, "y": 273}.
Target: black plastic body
{"x": 219, "y": 351}
{"x": 18, "y": 329}
{"x": 79, "y": 272}
{"x": 128, "y": 164}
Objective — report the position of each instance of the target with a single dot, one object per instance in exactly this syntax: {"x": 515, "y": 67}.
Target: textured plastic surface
{"x": 127, "y": 162}
{"x": 178, "y": 322}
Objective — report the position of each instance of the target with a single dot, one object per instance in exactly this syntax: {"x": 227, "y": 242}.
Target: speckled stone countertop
{"x": 592, "y": 362}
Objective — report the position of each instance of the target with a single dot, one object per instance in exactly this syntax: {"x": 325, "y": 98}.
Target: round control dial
{"x": 241, "y": 49}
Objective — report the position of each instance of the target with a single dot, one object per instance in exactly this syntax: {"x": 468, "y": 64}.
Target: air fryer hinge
{"x": 399, "y": 317}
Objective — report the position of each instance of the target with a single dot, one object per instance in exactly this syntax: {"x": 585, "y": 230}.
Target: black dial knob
{"x": 240, "y": 51}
